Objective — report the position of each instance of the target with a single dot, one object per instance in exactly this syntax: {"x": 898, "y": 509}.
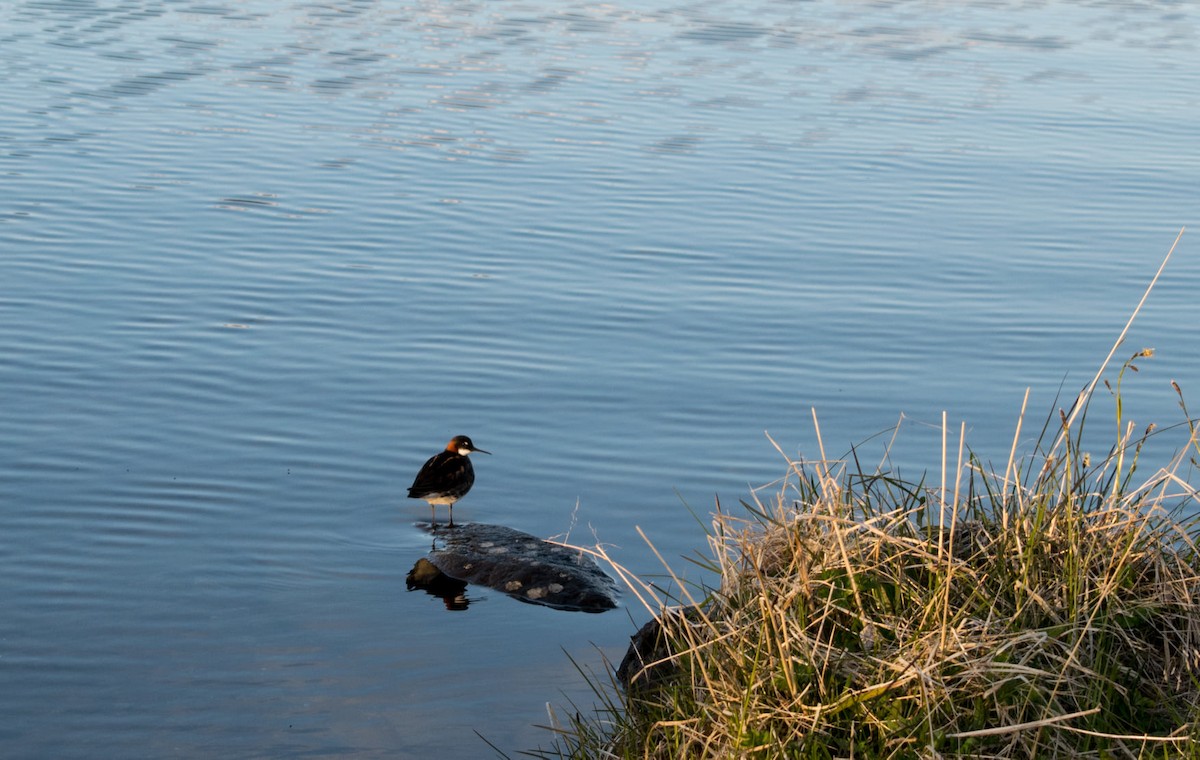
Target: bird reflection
{"x": 425, "y": 576}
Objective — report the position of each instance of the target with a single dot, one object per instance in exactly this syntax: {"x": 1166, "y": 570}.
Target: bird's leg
{"x": 432, "y": 516}
{"x": 451, "y": 515}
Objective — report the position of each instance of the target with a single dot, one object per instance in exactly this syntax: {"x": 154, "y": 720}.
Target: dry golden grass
{"x": 859, "y": 616}
{"x": 1051, "y": 609}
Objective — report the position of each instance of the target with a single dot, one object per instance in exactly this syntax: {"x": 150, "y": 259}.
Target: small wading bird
{"x": 446, "y": 477}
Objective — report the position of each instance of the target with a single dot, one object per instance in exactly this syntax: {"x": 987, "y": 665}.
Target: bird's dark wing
{"x": 443, "y": 471}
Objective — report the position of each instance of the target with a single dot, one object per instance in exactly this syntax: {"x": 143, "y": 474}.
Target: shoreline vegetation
{"x": 1048, "y": 609}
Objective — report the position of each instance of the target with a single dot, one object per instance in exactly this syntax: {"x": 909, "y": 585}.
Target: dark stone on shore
{"x": 522, "y": 566}
{"x": 646, "y": 647}
{"x": 647, "y": 662}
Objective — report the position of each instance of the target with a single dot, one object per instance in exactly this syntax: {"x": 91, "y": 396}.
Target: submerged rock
{"x": 523, "y": 566}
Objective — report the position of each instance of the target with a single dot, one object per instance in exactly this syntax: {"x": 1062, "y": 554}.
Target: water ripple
{"x": 262, "y": 258}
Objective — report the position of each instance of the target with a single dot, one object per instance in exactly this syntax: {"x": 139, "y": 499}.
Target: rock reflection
{"x": 425, "y": 576}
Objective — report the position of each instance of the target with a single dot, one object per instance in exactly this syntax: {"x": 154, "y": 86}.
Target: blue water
{"x": 258, "y": 260}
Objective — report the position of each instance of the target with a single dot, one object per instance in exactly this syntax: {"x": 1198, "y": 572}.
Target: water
{"x": 260, "y": 259}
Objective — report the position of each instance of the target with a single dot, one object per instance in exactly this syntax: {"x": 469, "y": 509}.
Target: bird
{"x": 446, "y": 477}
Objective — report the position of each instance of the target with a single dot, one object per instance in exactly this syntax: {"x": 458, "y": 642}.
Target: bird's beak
{"x": 481, "y": 451}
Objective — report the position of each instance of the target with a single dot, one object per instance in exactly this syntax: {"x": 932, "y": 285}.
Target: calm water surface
{"x": 259, "y": 259}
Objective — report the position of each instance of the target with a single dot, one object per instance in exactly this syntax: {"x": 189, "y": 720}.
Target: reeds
{"x": 1051, "y": 609}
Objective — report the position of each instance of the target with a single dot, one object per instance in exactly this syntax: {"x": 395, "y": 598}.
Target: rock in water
{"x": 523, "y": 566}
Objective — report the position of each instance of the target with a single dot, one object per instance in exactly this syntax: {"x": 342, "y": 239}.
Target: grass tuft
{"x": 1048, "y": 609}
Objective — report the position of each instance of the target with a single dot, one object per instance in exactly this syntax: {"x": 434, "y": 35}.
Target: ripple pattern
{"x": 261, "y": 258}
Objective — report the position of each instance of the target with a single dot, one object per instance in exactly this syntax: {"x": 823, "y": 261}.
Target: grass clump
{"x": 1051, "y": 609}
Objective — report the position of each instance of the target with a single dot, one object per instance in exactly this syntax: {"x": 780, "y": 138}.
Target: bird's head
{"x": 460, "y": 444}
